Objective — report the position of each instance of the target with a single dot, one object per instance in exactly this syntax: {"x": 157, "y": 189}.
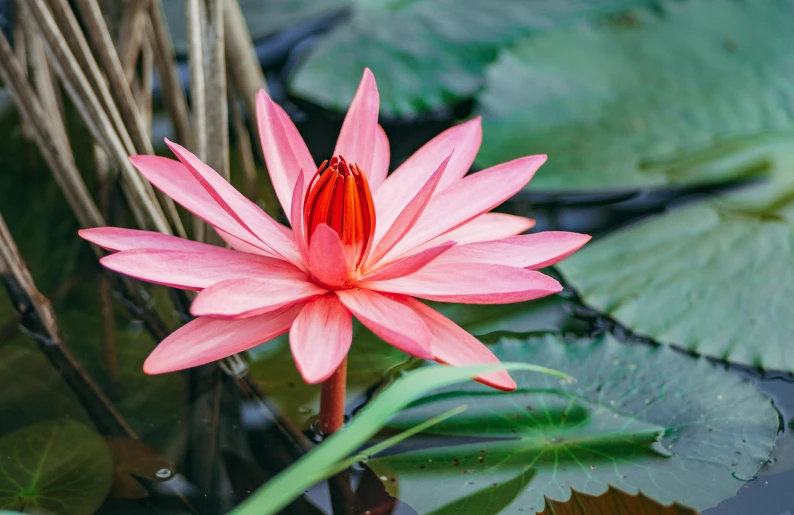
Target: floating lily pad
{"x": 715, "y": 430}
{"x": 613, "y": 502}
{"x": 713, "y": 277}
{"x": 426, "y": 54}
{"x": 58, "y": 467}
{"x": 606, "y": 100}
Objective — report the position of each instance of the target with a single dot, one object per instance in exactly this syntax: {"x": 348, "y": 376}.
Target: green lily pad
{"x": 712, "y": 277}
{"x": 426, "y": 54}
{"x": 606, "y": 100}
{"x": 59, "y": 467}
{"x": 716, "y": 430}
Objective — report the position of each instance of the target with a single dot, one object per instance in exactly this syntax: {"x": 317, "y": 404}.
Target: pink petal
{"x": 243, "y": 298}
{"x": 471, "y": 196}
{"x": 454, "y": 346}
{"x": 380, "y": 162}
{"x": 245, "y": 212}
{"x": 117, "y": 238}
{"x": 486, "y": 227}
{"x": 284, "y": 150}
{"x": 296, "y": 143}
{"x": 175, "y": 180}
{"x": 390, "y": 320}
{"x": 409, "y": 216}
{"x": 532, "y": 251}
{"x": 238, "y": 244}
{"x": 320, "y": 338}
{"x": 404, "y": 183}
{"x": 197, "y": 270}
{"x": 296, "y": 217}
{"x": 327, "y": 259}
{"x": 359, "y": 130}
{"x": 209, "y": 339}
{"x": 410, "y": 264}
{"x": 471, "y": 283}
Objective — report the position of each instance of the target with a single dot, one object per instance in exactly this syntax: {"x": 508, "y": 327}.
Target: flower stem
{"x": 332, "y": 401}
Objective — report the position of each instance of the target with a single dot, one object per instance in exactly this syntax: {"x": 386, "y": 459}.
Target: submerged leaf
{"x": 715, "y": 430}
{"x": 606, "y": 100}
{"x": 613, "y": 502}
{"x": 136, "y": 458}
{"x": 31, "y": 389}
{"x": 59, "y": 467}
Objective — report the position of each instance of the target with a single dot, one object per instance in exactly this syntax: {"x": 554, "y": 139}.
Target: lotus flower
{"x": 362, "y": 244}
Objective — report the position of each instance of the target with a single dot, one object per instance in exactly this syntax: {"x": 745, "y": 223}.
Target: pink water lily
{"x": 362, "y": 243}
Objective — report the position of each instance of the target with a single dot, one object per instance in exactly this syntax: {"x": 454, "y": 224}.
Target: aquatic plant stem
{"x": 332, "y": 401}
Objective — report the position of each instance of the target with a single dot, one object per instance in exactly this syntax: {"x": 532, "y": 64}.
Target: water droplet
{"x": 383, "y": 478}
{"x": 719, "y": 397}
{"x": 164, "y": 473}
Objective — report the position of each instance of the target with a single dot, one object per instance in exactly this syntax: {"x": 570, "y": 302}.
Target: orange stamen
{"x": 339, "y": 196}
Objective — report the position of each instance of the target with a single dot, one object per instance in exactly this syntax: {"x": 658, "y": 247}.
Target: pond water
{"x": 214, "y": 438}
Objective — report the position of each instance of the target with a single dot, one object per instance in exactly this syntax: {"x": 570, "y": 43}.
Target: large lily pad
{"x": 606, "y": 100}
{"x": 716, "y": 430}
{"x": 426, "y": 54}
{"x": 713, "y": 277}
{"x": 58, "y": 467}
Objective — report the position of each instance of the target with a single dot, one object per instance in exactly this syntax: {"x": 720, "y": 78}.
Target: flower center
{"x": 339, "y": 196}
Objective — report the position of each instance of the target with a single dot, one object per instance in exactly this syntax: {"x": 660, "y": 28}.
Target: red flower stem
{"x": 332, "y": 401}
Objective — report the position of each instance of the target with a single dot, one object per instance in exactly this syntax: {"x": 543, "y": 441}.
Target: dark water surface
{"x": 253, "y": 443}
